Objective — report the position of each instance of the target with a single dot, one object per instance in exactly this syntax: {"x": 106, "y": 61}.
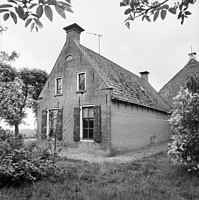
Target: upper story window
{"x": 58, "y": 86}
{"x": 81, "y": 81}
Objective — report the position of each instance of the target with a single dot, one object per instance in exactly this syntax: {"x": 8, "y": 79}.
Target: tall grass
{"x": 150, "y": 178}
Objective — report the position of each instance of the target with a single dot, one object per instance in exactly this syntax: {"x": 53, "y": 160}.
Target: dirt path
{"x": 121, "y": 158}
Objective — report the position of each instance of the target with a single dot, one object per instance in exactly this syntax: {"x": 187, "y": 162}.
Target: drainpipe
{"x": 108, "y": 104}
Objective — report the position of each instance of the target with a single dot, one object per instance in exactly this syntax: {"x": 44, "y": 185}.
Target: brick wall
{"x": 93, "y": 96}
{"x": 134, "y": 127}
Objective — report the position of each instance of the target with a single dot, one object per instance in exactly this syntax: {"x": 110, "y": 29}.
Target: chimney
{"x": 192, "y": 55}
{"x": 145, "y": 75}
{"x": 73, "y": 32}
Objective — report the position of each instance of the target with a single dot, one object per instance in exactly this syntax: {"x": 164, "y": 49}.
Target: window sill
{"x": 81, "y": 91}
{"x": 57, "y": 95}
{"x": 91, "y": 141}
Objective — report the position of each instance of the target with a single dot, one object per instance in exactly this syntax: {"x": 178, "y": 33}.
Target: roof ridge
{"x": 192, "y": 64}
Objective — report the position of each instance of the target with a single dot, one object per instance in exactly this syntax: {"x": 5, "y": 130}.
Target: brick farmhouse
{"x": 171, "y": 89}
{"x": 93, "y": 104}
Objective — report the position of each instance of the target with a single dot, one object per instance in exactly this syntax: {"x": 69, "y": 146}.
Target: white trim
{"x": 81, "y": 124}
{"x": 78, "y": 81}
{"x": 68, "y": 58}
{"x": 59, "y": 77}
{"x": 47, "y": 124}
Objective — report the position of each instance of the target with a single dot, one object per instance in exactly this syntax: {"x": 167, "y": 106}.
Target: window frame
{"x": 56, "y": 84}
{"x": 78, "y": 90}
{"x": 81, "y": 124}
{"x": 68, "y": 58}
{"x": 48, "y": 121}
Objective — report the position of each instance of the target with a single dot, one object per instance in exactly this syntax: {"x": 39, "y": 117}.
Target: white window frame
{"x": 78, "y": 81}
{"x": 68, "y": 58}
{"x": 56, "y": 85}
{"x": 48, "y": 124}
{"x": 81, "y": 124}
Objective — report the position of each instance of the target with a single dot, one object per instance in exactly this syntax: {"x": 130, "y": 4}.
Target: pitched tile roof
{"x": 126, "y": 86}
{"x": 171, "y": 89}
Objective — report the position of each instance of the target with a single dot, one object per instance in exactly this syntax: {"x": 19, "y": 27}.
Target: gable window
{"x": 87, "y": 123}
{"x": 81, "y": 82}
{"x": 58, "y": 86}
{"x": 68, "y": 58}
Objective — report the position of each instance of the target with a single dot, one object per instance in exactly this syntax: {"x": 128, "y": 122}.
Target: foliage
{"x": 19, "y": 164}
{"x": 150, "y": 178}
{"x": 31, "y": 11}
{"x": 19, "y": 90}
{"x": 151, "y": 10}
{"x": 12, "y": 102}
{"x": 184, "y": 148}
{"x": 7, "y": 73}
{"x": 6, "y": 58}
{"x": 34, "y": 81}
{"x": 2, "y": 29}
{"x": 193, "y": 84}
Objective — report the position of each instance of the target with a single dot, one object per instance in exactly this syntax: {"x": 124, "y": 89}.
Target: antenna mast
{"x": 98, "y": 35}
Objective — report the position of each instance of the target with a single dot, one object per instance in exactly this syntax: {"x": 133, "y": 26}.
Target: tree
{"x": 12, "y": 102}
{"x": 31, "y": 11}
{"x": 184, "y": 148}
{"x": 151, "y": 10}
{"x": 7, "y": 73}
{"x": 193, "y": 84}
{"x": 19, "y": 90}
{"x": 34, "y": 81}
{"x": 5, "y": 57}
{"x": 2, "y": 29}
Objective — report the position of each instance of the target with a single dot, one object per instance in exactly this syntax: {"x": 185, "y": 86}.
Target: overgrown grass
{"x": 150, "y": 178}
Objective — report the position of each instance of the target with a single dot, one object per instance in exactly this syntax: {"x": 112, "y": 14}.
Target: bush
{"x": 19, "y": 164}
{"x": 184, "y": 148}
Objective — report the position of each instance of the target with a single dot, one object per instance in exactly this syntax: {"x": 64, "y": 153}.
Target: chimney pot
{"x": 73, "y": 32}
{"x": 145, "y": 75}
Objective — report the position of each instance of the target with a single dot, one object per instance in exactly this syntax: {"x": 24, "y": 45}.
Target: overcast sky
{"x": 161, "y": 47}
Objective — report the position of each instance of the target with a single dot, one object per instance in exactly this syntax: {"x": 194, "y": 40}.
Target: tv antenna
{"x": 98, "y": 36}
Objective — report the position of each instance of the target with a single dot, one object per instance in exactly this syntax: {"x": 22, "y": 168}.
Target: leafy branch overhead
{"x": 151, "y": 10}
{"x": 31, "y": 11}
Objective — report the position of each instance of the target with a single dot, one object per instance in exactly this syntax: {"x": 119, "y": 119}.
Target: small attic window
{"x": 69, "y": 57}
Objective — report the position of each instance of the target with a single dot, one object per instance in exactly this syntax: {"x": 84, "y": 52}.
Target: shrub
{"x": 184, "y": 148}
{"x": 19, "y": 164}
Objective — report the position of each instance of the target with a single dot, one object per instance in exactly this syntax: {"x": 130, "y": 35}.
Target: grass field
{"x": 150, "y": 178}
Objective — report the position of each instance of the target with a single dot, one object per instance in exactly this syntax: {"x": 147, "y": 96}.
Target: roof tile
{"x": 126, "y": 85}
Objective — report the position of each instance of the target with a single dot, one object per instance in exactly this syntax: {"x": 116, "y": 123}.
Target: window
{"x": 68, "y": 58}
{"x": 58, "y": 86}
{"x": 81, "y": 82}
{"x": 87, "y": 122}
{"x": 52, "y": 122}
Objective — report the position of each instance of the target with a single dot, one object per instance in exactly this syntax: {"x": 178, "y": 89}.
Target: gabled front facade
{"x": 94, "y": 105}
{"x": 171, "y": 89}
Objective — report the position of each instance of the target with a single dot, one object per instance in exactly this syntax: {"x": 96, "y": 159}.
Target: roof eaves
{"x": 139, "y": 104}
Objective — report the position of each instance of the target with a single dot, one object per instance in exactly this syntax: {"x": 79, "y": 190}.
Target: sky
{"x": 160, "y": 47}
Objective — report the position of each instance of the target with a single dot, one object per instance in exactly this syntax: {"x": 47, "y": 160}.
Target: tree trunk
{"x": 16, "y": 130}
